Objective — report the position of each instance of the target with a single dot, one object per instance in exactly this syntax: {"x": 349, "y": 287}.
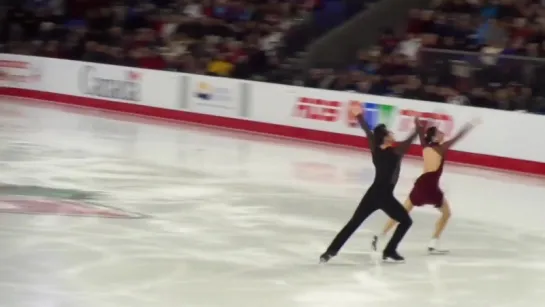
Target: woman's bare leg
{"x": 443, "y": 220}
{"x": 440, "y": 226}
{"x": 390, "y": 224}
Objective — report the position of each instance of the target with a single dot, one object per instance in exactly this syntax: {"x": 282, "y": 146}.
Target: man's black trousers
{"x": 372, "y": 201}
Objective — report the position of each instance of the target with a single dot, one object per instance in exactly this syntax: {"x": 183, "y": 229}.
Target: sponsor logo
{"x": 47, "y": 201}
{"x": 208, "y": 94}
{"x": 92, "y": 82}
{"x": 442, "y": 121}
{"x": 373, "y": 113}
{"x": 317, "y": 109}
{"x": 21, "y": 71}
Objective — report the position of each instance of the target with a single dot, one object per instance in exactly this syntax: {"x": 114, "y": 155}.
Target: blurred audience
{"x": 230, "y": 38}
{"x": 485, "y": 53}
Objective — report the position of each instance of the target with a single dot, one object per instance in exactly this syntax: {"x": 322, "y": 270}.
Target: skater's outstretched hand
{"x": 355, "y": 110}
{"x": 463, "y": 132}
{"x": 404, "y": 146}
{"x": 420, "y": 127}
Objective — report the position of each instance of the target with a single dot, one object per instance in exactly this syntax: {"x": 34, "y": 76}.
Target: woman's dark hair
{"x": 430, "y": 134}
{"x": 380, "y": 132}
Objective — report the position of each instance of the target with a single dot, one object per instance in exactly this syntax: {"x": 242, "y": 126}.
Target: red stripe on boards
{"x": 478, "y": 160}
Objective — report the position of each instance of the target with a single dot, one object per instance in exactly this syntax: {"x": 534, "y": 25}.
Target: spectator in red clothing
{"x": 150, "y": 59}
{"x": 234, "y": 51}
{"x": 207, "y": 8}
{"x": 388, "y": 41}
{"x": 415, "y": 23}
{"x": 521, "y": 30}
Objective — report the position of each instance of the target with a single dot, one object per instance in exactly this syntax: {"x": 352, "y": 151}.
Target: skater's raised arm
{"x": 404, "y": 146}
{"x": 356, "y": 111}
{"x": 463, "y": 132}
{"x": 420, "y": 128}
{"x": 364, "y": 126}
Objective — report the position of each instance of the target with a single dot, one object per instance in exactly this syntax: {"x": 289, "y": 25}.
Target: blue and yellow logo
{"x": 204, "y": 91}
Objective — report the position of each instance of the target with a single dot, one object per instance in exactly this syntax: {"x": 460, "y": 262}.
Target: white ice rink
{"x": 196, "y": 217}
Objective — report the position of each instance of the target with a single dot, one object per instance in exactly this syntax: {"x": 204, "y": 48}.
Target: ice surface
{"x": 226, "y": 219}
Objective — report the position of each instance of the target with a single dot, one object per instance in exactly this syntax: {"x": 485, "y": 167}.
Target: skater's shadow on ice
{"x": 348, "y": 259}
{"x": 341, "y": 263}
{"x": 359, "y": 255}
{"x": 481, "y": 254}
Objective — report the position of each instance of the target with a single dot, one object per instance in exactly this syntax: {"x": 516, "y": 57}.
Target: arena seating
{"x": 232, "y": 38}
{"x": 480, "y": 53}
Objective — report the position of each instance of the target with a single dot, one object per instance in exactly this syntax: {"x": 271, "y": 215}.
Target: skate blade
{"x": 437, "y": 252}
{"x": 392, "y": 261}
{"x": 374, "y": 244}
{"x": 324, "y": 260}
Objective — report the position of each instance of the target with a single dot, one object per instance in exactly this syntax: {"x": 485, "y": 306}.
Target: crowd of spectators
{"x": 478, "y": 52}
{"x": 236, "y": 38}
{"x": 483, "y": 53}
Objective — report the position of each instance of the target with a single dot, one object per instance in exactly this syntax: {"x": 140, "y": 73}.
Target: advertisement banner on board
{"x": 399, "y": 119}
{"x": 214, "y": 96}
{"x": 110, "y": 83}
{"x": 24, "y": 72}
{"x": 317, "y": 109}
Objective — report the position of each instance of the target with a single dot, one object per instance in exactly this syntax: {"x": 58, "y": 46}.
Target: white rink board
{"x": 500, "y": 134}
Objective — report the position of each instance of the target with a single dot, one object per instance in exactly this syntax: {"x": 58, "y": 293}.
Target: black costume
{"x": 380, "y": 195}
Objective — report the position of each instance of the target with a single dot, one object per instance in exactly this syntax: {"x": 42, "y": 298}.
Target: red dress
{"x": 426, "y": 189}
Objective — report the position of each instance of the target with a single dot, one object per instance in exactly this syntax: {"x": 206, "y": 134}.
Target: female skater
{"x": 426, "y": 187}
{"x": 387, "y": 161}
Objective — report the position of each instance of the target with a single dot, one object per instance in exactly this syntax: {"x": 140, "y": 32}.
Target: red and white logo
{"x": 14, "y": 64}
{"x": 442, "y": 121}
{"x": 21, "y": 71}
{"x": 317, "y": 109}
